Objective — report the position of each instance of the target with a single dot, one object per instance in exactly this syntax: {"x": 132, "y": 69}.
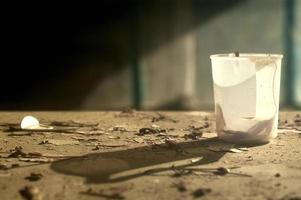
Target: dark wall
{"x": 145, "y": 54}
{"x": 47, "y": 48}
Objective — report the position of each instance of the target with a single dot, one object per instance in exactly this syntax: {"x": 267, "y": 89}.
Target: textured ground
{"x": 144, "y": 155}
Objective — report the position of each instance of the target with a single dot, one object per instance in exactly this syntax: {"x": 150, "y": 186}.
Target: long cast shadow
{"x": 103, "y": 167}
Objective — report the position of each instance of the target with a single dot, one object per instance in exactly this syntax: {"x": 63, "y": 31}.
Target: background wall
{"x": 143, "y": 54}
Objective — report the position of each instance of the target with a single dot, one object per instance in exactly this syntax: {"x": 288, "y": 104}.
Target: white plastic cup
{"x": 246, "y": 96}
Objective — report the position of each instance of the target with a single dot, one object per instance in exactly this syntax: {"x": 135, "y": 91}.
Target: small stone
{"x": 145, "y": 131}
{"x": 222, "y": 171}
{"x": 44, "y": 142}
{"x": 95, "y": 148}
{"x": 155, "y": 126}
{"x": 17, "y": 152}
{"x": 277, "y": 175}
{"x": 195, "y": 160}
{"x": 34, "y": 177}
{"x": 181, "y": 186}
{"x": 114, "y": 137}
{"x": 200, "y": 192}
{"x": 15, "y": 165}
{"x": 30, "y": 193}
{"x": 235, "y": 150}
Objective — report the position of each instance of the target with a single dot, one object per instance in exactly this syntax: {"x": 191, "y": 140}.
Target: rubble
{"x": 162, "y": 117}
{"x": 200, "y": 192}
{"x": 31, "y": 193}
{"x": 34, "y": 176}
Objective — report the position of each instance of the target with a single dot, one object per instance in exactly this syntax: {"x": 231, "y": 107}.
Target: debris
{"x": 113, "y": 137}
{"x": 162, "y": 117}
{"x": 62, "y": 142}
{"x": 32, "y": 123}
{"x": 30, "y": 193}
{"x": 222, "y": 171}
{"x": 155, "y": 126}
{"x": 181, "y": 186}
{"x": 218, "y": 148}
{"x": 6, "y": 167}
{"x": 173, "y": 144}
{"x": 138, "y": 140}
{"x": 85, "y": 139}
{"x": 298, "y": 121}
{"x": 144, "y": 131}
{"x": 294, "y": 130}
{"x": 234, "y": 150}
{"x": 43, "y": 129}
{"x": 38, "y": 160}
{"x": 14, "y": 165}
{"x": 44, "y": 142}
{"x": 113, "y": 195}
{"x": 126, "y": 112}
{"x": 195, "y": 160}
{"x": 191, "y": 136}
{"x": 72, "y": 123}
{"x": 196, "y": 132}
{"x": 200, "y": 192}
{"x": 17, "y": 152}
{"x": 34, "y": 154}
{"x": 249, "y": 158}
{"x": 180, "y": 171}
{"x": 279, "y": 184}
{"x": 94, "y": 132}
{"x": 115, "y": 144}
{"x": 242, "y": 148}
{"x": 277, "y": 175}
{"x": 34, "y": 177}
{"x": 95, "y": 148}
{"x": 19, "y": 134}
{"x": 227, "y": 148}
{"x": 120, "y": 128}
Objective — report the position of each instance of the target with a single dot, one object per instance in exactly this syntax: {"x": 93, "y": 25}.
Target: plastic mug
{"x": 246, "y": 96}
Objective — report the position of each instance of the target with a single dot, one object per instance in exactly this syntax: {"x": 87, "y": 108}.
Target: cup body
{"x": 246, "y": 96}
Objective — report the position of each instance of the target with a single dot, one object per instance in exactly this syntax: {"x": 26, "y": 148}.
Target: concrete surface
{"x": 179, "y": 157}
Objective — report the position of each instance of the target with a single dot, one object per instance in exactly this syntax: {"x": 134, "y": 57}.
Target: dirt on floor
{"x": 143, "y": 155}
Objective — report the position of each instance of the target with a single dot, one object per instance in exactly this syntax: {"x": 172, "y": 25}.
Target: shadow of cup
{"x": 121, "y": 165}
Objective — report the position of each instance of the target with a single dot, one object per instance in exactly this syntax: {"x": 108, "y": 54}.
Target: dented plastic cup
{"x": 246, "y": 95}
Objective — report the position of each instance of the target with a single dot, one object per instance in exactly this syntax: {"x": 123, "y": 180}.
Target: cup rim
{"x": 231, "y": 56}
